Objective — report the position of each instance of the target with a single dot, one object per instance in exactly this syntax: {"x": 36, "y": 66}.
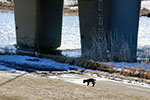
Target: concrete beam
{"x": 109, "y": 29}
{"x": 39, "y": 23}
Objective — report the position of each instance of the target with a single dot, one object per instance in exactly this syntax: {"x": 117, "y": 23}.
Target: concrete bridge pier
{"x": 109, "y": 29}
{"x": 38, "y": 24}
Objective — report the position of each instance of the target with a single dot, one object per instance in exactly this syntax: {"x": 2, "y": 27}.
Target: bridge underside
{"x": 109, "y": 28}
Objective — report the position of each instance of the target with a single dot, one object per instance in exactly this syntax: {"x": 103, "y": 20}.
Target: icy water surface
{"x": 7, "y": 29}
{"x": 144, "y": 32}
{"x": 70, "y": 33}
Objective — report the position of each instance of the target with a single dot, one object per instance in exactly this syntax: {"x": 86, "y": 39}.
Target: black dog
{"x": 93, "y": 81}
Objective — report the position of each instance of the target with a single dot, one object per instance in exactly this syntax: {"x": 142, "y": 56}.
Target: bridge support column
{"x": 109, "y": 29}
{"x": 38, "y": 23}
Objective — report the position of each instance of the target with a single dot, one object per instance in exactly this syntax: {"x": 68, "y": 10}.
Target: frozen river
{"x": 70, "y": 32}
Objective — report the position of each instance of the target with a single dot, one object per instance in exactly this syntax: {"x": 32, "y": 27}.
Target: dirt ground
{"x": 22, "y": 86}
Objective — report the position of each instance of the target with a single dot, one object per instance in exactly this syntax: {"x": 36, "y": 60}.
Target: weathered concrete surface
{"x": 25, "y": 18}
{"x": 88, "y": 15}
{"x": 49, "y": 23}
{"x": 39, "y": 23}
{"x": 109, "y": 29}
{"x": 124, "y": 21}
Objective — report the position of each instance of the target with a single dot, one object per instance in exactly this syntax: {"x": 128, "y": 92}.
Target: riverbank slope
{"x": 23, "y": 86}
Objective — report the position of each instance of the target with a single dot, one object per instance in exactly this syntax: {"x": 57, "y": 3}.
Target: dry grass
{"x": 6, "y": 6}
{"x": 113, "y": 48}
{"x": 10, "y": 7}
{"x": 98, "y": 49}
{"x": 32, "y": 87}
{"x": 144, "y": 12}
{"x": 96, "y": 65}
{"x": 71, "y": 12}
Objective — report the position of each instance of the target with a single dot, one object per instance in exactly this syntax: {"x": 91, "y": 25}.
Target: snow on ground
{"x": 78, "y": 79}
{"x": 2, "y": 67}
{"x": 125, "y": 64}
{"x": 70, "y": 40}
{"x": 9, "y": 62}
{"x": 47, "y": 64}
{"x": 145, "y": 4}
{"x": 7, "y": 29}
{"x": 37, "y": 63}
{"x": 70, "y": 2}
{"x": 144, "y": 32}
{"x": 70, "y": 33}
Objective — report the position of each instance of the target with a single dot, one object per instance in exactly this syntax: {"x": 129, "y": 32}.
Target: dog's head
{"x": 83, "y": 81}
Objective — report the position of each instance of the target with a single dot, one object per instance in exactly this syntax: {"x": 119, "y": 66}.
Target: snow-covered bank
{"x": 61, "y": 71}
{"x": 145, "y": 4}
{"x": 15, "y": 61}
{"x": 33, "y": 64}
{"x": 119, "y": 65}
{"x": 3, "y": 67}
{"x": 50, "y": 65}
